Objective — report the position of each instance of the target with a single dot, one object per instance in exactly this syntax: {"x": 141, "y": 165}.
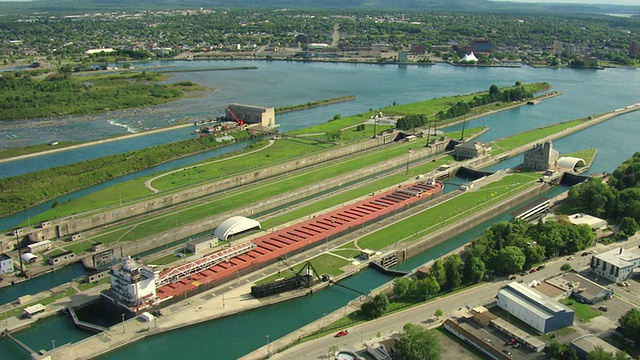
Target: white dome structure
{"x": 469, "y": 57}
{"x": 235, "y": 225}
{"x": 570, "y": 162}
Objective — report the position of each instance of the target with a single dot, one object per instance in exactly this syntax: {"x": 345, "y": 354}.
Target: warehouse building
{"x": 585, "y": 344}
{"x": 535, "y": 309}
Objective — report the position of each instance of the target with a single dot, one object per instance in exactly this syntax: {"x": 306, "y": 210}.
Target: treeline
{"x": 23, "y": 191}
{"x": 617, "y": 199}
{"x": 22, "y": 96}
{"x": 461, "y": 108}
{"x": 504, "y": 248}
{"x": 495, "y": 95}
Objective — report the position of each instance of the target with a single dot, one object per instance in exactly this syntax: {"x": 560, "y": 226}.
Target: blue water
{"x": 33, "y": 286}
{"x": 281, "y": 83}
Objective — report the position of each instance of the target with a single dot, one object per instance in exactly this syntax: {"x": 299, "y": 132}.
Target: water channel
{"x": 375, "y": 86}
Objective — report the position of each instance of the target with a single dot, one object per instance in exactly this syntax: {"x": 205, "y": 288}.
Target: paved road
{"x": 423, "y": 314}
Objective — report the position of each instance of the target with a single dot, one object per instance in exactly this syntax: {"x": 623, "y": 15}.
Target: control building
{"x": 535, "y": 309}
{"x": 251, "y": 114}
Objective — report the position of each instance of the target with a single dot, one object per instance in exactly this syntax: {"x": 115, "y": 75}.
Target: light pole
{"x": 124, "y": 330}
{"x": 268, "y": 352}
{"x": 53, "y": 349}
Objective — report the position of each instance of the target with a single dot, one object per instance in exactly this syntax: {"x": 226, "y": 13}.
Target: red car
{"x": 532, "y": 270}
{"x": 342, "y": 333}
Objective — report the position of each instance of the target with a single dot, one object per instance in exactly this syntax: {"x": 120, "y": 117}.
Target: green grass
{"x": 87, "y": 285}
{"x": 164, "y": 260}
{"x": 347, "y": 253}
{"x": 324, "y": 264}
{"x": 588, "y": 155}
{"x": 467, "y": 133}
{"x": 79, "y": 247}
{"x": 45, "y": 301}
{"x": 517, "y": 140}
{"x": 416, "y": 226}
{"x": 13, "y": 152}
{"x": 584, "y": 312}
{"x": 260, "y": 192}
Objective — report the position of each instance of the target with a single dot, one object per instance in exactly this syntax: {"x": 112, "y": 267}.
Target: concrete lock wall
{"x": 209, "y": 223}
{"x": 78, "y": 225}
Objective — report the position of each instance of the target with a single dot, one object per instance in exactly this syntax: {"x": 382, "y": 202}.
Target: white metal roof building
{"x": 235, "y": 225}
{"x": 570, "y": 162}
{"x": 535, "y": 309}
{"x": 616, "y": 264}
{"x": 585, "y": 344}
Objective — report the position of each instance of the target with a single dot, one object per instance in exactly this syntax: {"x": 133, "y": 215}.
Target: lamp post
{"x": 268, "y": 351}
{"x": 53, "y": 349}
{"x": 124, "y": 330}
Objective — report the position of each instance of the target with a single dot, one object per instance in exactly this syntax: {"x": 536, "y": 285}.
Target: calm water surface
{"x": 282, "y": 83}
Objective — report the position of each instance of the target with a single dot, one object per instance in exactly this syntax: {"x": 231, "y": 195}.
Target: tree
{"x": 494, "y": 89}
{"x": 431, "y": 286}
{"x": 401, "y": 287}
{"x": 375, "y": 307}
{"x": 599, "y": 354}
{"x": 512, "y": 260}
{"x": 337, "y": 117}
{"x": 630, "y": 322}
{"x": 565, "y": 267}
{"x": 438, "y": 313}
{"x": 628, "y": 226}
{"x": 439, "y": 273}
{"x": 416, "y": 343}
{"x": 453, "y": 267}
{"x": 473, "y": 270}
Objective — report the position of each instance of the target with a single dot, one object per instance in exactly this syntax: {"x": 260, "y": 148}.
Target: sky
{"x": 591, "y": 2}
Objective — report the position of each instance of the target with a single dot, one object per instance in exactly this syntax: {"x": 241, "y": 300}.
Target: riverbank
{"x": 97, "y": 142}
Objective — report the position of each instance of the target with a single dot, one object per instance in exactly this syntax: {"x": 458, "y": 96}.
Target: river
{"x": 586, "y": 92}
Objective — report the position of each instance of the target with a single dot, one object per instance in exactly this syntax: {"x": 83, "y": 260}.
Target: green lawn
{"x": 167, "y": 259}
{"x": 416, "y": 226}
{"x": 517, "y": 140}
{"x": 324, "y": 264}
{"x": 87, "y": 285}
{"x": 79, "y": 247}
{"x": 584, "y": 312}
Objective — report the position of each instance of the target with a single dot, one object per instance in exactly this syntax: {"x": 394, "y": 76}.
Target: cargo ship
{"x": 136, "y": 287}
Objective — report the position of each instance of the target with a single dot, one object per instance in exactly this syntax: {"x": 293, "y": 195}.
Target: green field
{"x": 416, "y": 226}
{"x": 524, "y": 138}
{"x": 323, "y": 264}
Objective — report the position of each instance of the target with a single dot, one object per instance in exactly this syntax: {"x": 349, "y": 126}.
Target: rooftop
{"x": 536, "y": 302}
{"x": 620, "y": 257}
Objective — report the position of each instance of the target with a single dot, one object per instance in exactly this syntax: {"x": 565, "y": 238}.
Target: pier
{"x": 84, "y": 325}
{"x": 19, "y": 343}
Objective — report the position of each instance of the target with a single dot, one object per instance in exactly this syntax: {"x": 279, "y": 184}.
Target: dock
{"x": 19, "y": 343}
{"x": 84, "y": 325}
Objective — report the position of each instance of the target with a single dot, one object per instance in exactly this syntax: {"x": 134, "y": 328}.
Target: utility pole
{"x": 124, "y": 330}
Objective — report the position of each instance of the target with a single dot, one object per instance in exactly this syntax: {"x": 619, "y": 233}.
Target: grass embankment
{"x": 515, "y": 141}
{"x": 31, "y": 149}
{"x": 23, "y": 97}
{"x": 416, "y": 226}
{"x": 312, "y": 104}
{"x": 23, "y": 191}
{"x": 134, "y": 190}
{"x": 584, "y": 312}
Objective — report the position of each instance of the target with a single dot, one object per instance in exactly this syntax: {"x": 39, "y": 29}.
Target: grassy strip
{"x": 311, "y": 104}
{"x": 88, "y": 285}
{"x": 588, "y": 155}
{"x": 414, "y": 227}
{"x": 31, "y": 149}
{"x": 164, "y": 260}
{"x": 530, "y": 136}
{"x": 22, "y": 191}
{"x": 46, "y": 301}
{"x": 324, "y": 264}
